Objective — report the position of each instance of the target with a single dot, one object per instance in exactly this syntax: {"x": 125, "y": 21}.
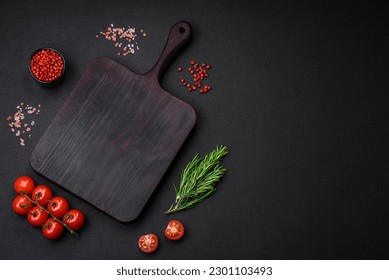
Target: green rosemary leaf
{"x": 198, "y": 179}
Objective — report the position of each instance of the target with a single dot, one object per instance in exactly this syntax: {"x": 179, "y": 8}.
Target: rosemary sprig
{"x": 198, "y": 179}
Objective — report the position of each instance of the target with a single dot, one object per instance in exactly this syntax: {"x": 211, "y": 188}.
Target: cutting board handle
{"x": 179, "y": 35}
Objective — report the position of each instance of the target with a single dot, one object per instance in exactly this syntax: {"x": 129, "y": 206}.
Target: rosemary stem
{"x": 198, "y": 179}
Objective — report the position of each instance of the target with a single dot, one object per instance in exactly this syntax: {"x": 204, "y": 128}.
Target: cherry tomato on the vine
{"x": 24, "y": 184}
{"x": 148, "y": 243}
{"x": 174, "y": 230}
{"x": 21, "y": 205}
{"x": 42, "y": 195}
{"x": 52, "y": 229}
{"x": 58, "y": 206}
{"x": 36, "y": 216}
{"x": 75, "y": 219}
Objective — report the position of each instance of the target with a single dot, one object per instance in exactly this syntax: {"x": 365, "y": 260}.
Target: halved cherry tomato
{"x": 21, "y": 205}
{"x": 75, "y": 219}
{"x": 24, "y": 184}
{"x": 58, "y": 206}
{"x": 174, "y": 230}
{"x": 148, "y": 243}
{"x": 42, "y": 194}
{"x": 52, "y": 229}
{"x": 37, "y": 217}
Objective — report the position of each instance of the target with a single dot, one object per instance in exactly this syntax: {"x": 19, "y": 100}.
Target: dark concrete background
{"x": 300, "y": 95}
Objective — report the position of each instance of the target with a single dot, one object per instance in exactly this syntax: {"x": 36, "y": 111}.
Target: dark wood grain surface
{"x": 116, "y": 134}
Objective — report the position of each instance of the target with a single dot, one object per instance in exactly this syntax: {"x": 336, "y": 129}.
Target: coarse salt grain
{"x": 122, "y": 35}
{"x": 17, "y": 120}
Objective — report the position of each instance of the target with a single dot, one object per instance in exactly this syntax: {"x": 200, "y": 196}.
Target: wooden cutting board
{"x": 116, "y": 134}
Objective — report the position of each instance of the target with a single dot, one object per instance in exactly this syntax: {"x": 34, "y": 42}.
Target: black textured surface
{"x": 300, "y": 95}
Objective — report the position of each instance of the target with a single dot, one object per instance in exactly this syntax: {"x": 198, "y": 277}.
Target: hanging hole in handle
{"x": 181, "y": 30}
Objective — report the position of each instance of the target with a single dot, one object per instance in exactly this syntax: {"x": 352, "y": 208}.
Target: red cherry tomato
{"x": 42, "y": 194}
{"x": 52, "y": 229}
{"x": 24, "y": 184}
{"x": 174, "y": 230}
{"x": 75, "y": 219}
{"x": 37, "y": 217}
{"x": 148, "y": 243}
{"x": 58, "y": 206}
{"x": 21, "y": 205}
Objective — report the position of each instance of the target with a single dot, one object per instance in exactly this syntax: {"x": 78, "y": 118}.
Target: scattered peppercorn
{"x": 47, "y": 65}
{"x": 198, "y": 72}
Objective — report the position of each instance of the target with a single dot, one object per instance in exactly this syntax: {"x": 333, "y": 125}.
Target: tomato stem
{"x": 55, "y": 218}
{"x": 23, "y": 205}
